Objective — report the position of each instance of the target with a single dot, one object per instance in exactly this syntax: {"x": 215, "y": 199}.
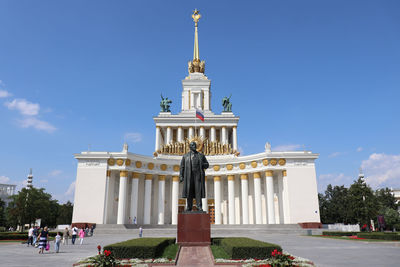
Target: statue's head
{"x": 193, "y": 146}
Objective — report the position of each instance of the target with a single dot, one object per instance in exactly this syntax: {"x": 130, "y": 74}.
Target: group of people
{"x": 40, "y": 237}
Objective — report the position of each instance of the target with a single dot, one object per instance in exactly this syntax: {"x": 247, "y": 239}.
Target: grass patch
{"x": 170, "y": 251}
{"x": 218, "y": 252}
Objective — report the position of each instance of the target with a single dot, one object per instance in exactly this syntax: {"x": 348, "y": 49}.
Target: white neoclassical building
{"x": 265, "y": 188}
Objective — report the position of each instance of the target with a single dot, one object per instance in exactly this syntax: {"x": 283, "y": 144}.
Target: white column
{"x": 134, "y": 195}
{"x": 191, "y": 132}
{"x": 217, "y": 199}
{"x": 206, "y": 100}
{"x": 158, "y": 136}
{"x": 223, "y": 135}
{"x": 105, "y": 212}
{"x": 212, "y": 134}
{"x": 191, "y": 100}
{"x": 285, "y": 196}
{"x": 231, "y": 198}
{"x": 269, "y": 189}
{"x": 180, "y": 134}
{"x": 204, "y": 201}
{"x": 234, "y": 137}
{"x": 257, "y": 197}
{"x": 123, "y": 184}
{"x": 174, "y": 202}
{"x": 147, "y": 198}
{"x": 202, "y": 132}
{"x": 161, "y": 198}
{"x": 169, "y": 135}
{"x": 245, "y": 199}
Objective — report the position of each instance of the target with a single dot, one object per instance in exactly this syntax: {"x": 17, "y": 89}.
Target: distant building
{"x": 7, "y": 190}
{"x": 29, "y": 180}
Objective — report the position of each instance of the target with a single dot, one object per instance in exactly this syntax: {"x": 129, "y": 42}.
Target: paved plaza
{"x": 322, "y": 251}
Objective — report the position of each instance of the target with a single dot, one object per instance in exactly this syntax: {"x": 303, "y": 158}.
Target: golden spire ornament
{"x": 196, "y": 65}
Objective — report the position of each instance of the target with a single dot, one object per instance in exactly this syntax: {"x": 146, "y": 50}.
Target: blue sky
{"x": 323, "y": 75}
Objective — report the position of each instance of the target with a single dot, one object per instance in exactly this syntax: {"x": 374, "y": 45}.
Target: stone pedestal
{"x": 194, "y": 229}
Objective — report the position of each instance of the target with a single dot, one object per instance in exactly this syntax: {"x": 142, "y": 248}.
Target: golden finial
{"x": 196, "y": 16}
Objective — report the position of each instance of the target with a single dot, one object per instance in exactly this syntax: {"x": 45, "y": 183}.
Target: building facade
{"x": 265, "y": 188}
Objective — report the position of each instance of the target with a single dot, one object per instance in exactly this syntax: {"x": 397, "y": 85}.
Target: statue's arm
{"x": 182, "y": 170}
{"x": 205, "y": 163}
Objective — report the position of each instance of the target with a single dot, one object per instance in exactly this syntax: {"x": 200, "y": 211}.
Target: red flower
{"x": 107, "y": 253}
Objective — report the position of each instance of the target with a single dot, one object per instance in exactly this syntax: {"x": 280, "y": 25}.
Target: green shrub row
{"x": 142, "y": 248}
{"x": 244, "y": 248}
{"x": 339, "y": 233}
{"x": 377, "y": 235}
{"x": 18, "y": 236}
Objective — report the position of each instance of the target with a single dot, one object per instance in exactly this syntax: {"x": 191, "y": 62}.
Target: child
{"x": 57, "y": 241}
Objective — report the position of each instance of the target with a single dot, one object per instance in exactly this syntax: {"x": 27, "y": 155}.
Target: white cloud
{"x": 37, "y": 124}
{"x": 382, "y": 170}
{"x": 55, "y": 173}
{"x": 359, "y": 149}
{"x": 133, "y": 137}
{"x": 4, "y": 179}
{"x": 334, "y": 179}
{"x": 4, "y": 93}
{"x": 71, "y": 189}
{"x": 24, "y": 107}
{"x": 289, "y": 147}
{"x": 334, "y": 154}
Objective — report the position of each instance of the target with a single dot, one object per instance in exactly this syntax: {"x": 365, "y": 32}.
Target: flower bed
{"x": 338, "y": 233}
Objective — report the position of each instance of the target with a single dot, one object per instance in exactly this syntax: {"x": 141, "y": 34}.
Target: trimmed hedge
{"x": 142, "y": 248}
{"x": 19, "y": 235}
{"x": 245, "y": 248}
{"x": 337, "y": 233}
{"x": 381, "y": 236}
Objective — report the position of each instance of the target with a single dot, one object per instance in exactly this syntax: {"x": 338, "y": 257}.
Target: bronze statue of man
{"x": 192, "y": 175}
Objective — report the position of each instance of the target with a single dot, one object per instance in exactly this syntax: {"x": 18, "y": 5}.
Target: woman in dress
{"x": 81, "y": 235}
{"x": 43, "y": 236}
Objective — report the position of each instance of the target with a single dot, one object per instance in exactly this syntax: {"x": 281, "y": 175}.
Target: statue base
{"x": 194, "y": 229}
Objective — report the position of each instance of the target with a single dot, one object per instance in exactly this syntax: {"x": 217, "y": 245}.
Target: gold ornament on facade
{"x": 138, "y": 164}
{"x": 269, "y": 173}
{"x": 254, "y": 164}
{"x": 175, "y": 178}
{"x": 243, "y": 177}
{"x": 148, "y": 176}
{"x": 274, "y": 162}
{"x": 265, "y": 162}
{"x": 163, "y": 167}
{"x": 128, "y": 162}
{"x": 284, "y": 173}
{"x": 123, "y": 173}
{"x": 108, "y": 173}
{"x": 135, "y": 175}
{"x": 161, "y": 177}
{"x": 256, "y": 175}
{"x": 282, "y": 162}
{"x": 111, "y": 162}
{"x": 120, "y": 162}
{"x": 231, "y": 177}
{"x": 242, "y": 166}
{"x": 229, "y": 167}
{"x": 217, "y": 178}
{"x": 216, "y": 168}
{"x": 204, "y": 146}
{"x": 210, "y": 201}
{"x": 150, "y": 166}
{"x": 176, "y": 168}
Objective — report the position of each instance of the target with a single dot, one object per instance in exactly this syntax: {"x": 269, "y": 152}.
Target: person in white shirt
{"x": 30, "y": 236}
{"x": 74, "y": 234}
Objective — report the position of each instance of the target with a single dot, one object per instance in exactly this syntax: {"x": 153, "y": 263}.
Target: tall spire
{"x": 196, "y": 65}
{"x": 196, "y": 16}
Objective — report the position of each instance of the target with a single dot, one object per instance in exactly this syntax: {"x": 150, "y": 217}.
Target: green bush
{"x": 244, "y": 248}
{"x": 2, "y": 229}
{"x": 142, "y": 248}
{"x": 381, "y": 236}
{"x": 339, "y": 233}
{"x": 13, "y": 236}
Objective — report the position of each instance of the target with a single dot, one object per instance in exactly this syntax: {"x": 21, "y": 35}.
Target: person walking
{"x": 74, "y": 233}
{"x": 65, "y": 236}
{"x": 57, "y": 242}
{"x": 140, "y": 231}
{"x": 43, "y": 236}
{"x": 30, "y": 236}
{"x": 35, "y": 235}
{"x": 81, "y": 235}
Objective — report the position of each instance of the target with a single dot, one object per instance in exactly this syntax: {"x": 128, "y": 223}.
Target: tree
{"x": 334, "y": 205}
{"x": 65, "y": 213}
{"x": 2, "y": 213}
{"x": 362, "y": 203}
{"x": 385, "y": 199}
{"x": 31, "y": 204}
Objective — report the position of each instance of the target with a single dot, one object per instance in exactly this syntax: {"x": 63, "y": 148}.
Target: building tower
{"x": 29, "y": 180}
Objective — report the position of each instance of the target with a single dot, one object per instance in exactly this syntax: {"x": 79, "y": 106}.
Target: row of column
{"x": 123, "y": 193}
{"x": 180, "y": 135}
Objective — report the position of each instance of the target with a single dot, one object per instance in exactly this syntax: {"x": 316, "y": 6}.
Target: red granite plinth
{"x": 194, "y": 229}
